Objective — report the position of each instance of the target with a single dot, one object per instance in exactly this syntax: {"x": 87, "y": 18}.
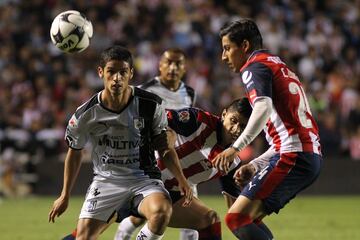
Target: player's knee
{"x": 161, "y": 213}
{"x": 235, "y": 221}
{"x": 212, "y": 217}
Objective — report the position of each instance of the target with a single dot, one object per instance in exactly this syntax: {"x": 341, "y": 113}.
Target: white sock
{"x": 125, "y": 230}
{"x": 146, "y": 234}
{"x": 188, "y": 234}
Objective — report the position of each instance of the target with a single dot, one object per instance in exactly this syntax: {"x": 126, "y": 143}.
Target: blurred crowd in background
{"x": 40, "y": 87}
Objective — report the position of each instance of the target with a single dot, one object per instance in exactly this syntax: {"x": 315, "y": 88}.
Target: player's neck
{"x": 171, "y": 85}
{"x": 116, "y": 102}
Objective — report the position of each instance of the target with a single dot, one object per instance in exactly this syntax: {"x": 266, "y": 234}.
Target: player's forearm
{"x": 259, "y": 116}
{"x": 263, "y": 160}
{"x": 71, "y": 170}
{"x": 171, "y": 162}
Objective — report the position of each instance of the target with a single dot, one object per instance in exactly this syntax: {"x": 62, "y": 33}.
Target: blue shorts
{"x": 286, "y": 175}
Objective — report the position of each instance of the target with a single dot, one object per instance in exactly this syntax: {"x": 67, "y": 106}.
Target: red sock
{"x": 212, "y": 232}
{"x": 74, "y": 232}
{"x": 235, "y": 221}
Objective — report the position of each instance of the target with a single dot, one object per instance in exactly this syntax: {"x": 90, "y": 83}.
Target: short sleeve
{"x": 75, "y": 134}
{"x": 257, "y": 79}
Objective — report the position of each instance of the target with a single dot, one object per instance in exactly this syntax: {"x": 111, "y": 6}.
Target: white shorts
{"x": 104, "y": 199}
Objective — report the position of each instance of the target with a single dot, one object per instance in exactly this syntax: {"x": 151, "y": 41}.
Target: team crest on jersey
{"x": 139, "y": 123}
{"x": 73, "y": 121}
{"x": 184, "y": 116}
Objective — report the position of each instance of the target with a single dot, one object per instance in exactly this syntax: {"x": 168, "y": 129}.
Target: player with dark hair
{"x": 280, "y": 107}
{"x": 125, "y": 125}
{"x": 176, "y": 95}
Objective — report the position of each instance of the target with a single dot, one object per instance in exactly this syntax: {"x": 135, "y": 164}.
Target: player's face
{"x": 172, "y": 67}
{"x": 116, "y": 75}
{"x": 233, "y": 55}
{"x": 233, "y": 124}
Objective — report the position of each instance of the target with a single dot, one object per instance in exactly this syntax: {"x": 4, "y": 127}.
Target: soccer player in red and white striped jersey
{"x": 280, "y": 109}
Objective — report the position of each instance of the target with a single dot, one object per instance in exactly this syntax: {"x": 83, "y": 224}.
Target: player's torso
{"x": 291, "y": 126}
{"x": 195, "y": 149}
{"x": 116, "y": 140}
{"x": 178, "y": 99}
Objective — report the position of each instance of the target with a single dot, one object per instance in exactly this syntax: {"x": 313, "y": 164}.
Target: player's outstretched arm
{"x": 71, "y": 170}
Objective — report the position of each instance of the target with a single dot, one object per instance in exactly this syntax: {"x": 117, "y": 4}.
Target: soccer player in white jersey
{"x": 124, "y": 124}
{"x": 176, "y": 95}
{"x": 280, "y": 108}
{"x": 200, "y": 136}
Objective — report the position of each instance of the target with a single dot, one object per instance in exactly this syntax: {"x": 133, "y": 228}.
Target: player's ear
{"x": 100, "y": 71}
{"x": 223, "y": 114}
{"x": 131, "y": 73}
{"x": 246, "y": 45}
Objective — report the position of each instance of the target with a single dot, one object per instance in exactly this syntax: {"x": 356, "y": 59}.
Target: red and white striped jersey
{"x": 291, "y": 127}
{"x": 198, "y": 135}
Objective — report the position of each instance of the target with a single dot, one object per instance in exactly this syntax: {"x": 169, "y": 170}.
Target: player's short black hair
{"x": 240, "y": 30}
{"x": 176, "y": 50}
{"x": 240, "y": 105}
{"x": 116, "y": 52}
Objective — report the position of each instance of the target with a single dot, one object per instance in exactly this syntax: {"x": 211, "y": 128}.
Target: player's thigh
{"x": 252, "y": 208}
{"x": 196, "y": 216}
{"x": 88, "y": 228}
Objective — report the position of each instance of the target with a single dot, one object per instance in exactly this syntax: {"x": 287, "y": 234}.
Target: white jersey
{"x": 183, "y": 97}
{"x": 120, "y": 141}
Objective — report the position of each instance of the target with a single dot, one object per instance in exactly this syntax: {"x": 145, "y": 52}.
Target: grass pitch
{"x": 312, "y": 218}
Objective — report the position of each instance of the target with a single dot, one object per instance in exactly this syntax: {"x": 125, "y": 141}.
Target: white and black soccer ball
{"x": 71, "y": 32}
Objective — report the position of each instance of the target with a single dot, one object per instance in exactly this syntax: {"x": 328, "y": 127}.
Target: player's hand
{"x": 59, "y": 206}
{"x": 244, "y": 174}
{"x": 222, "y": 161}
{"x": 187, "y": 192}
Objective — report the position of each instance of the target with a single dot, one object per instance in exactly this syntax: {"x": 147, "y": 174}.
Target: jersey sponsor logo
{"x": 107, "y": 160}
{"x": 139, "y": 123}
{"x": 184, "y": 116}
{"x": 246, "y": 77}
{"x": 118, "y": 144}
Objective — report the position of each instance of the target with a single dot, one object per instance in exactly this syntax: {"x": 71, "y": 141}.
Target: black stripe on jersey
{"x": 261, "y": 79}
{"x": 191, "y": 92}
{"x": 91, "y": 102}
{"x": 149, "y": 83}
{"x": 184, "y": 121}
{"x": 147, "y": 95}
{"x": 147, "y": 107}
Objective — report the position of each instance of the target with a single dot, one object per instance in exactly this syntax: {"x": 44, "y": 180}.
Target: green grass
{"x": 312, "y": 218}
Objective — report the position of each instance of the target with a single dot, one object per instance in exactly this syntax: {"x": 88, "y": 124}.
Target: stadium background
{"x": 40, "y": 87}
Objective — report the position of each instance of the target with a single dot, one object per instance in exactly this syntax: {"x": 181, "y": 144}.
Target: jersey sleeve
{"x": 75, "y": 134}
{"x": 257, "y": 79}
{"x": 160, "y": 120}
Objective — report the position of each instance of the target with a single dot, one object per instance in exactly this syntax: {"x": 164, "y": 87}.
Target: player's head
{"x": 239, "y": 39}
{"x": 234, "y": 119}
{"x": 116, "y": 69}
{"x": 172, "y": 65}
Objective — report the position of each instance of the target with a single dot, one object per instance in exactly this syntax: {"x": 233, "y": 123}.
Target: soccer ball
{"x": 71, "y": 32}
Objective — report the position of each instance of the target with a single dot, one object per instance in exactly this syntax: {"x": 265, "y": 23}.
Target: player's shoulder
{"x": 150, "y": 83}
{"x": 147, "y": 96}
{"x": 89, "y": 104}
